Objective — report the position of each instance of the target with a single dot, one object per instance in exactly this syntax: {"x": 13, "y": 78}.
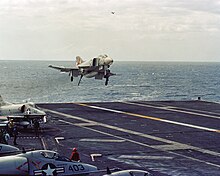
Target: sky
{"x": 144, "y": 30}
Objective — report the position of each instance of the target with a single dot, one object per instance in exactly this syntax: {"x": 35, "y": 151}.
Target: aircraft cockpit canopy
{"x": 49, "y": 154}
{"x": 31, "y": 105}
{"x": 102, "y": 56}
{"x": 54, "y": 155}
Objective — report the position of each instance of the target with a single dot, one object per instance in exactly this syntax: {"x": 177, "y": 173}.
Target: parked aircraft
{"x": 43, "y": 162}
{"x": 22, "y": 114}
{"x": 97, "y": 67}
{"x": 7, "y": 149}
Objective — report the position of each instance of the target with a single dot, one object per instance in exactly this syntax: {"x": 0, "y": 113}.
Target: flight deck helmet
{"x": 74, "y": 149}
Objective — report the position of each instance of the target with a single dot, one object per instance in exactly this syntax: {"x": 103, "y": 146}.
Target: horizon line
{"x": 114, "y": 60}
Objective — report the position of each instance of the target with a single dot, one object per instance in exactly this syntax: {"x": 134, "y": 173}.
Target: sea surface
{"x": 34, "y": 81}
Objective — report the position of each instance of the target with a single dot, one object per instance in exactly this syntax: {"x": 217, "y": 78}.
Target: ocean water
{"x": 33, "y": 81}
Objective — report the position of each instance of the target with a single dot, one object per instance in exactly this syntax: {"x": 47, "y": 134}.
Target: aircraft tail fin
{"x": 2, "y": 101}
{"x": 79, "y": 60}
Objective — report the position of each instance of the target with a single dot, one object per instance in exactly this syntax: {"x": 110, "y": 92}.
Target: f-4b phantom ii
{"x": 97, "y": 67}
{"x": 22, "y": 114}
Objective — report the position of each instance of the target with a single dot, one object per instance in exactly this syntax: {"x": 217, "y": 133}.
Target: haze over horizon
{"x": 145, "y": 30}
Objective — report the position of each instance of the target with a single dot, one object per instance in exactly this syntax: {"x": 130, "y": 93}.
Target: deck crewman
{"x": 15, "y": 133}
{"x": 36, "y": 127}
{"x": 75, "y": 155}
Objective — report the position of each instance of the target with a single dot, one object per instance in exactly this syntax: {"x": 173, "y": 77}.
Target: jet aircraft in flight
{"x": 97, "y": 67}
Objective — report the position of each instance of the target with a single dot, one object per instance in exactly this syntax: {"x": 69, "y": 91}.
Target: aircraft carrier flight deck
{"x": 162, "y": 137}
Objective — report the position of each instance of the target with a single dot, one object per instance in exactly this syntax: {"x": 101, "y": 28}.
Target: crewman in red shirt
{"x": 75, "y": 155}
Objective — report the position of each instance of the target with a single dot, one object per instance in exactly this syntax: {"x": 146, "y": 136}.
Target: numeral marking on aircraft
{"x": 76, "y": 168}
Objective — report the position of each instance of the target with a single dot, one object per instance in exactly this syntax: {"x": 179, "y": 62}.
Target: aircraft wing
{"x": 74, "y": 71}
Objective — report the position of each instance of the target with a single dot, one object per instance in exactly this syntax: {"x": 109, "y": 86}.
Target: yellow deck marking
{"x": 150, "y": 117}
{"x": 143, "y": 116}
{"x": 183, "y": 110}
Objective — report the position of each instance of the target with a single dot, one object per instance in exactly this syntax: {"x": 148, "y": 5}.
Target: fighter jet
{"x": 22, "y": 114}
{"x": 97, "y": 67}
{"x": 43, "y": 162}
{"x": 8, "y": 149}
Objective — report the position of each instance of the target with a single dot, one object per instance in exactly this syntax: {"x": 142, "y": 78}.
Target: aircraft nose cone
{"x": 92, "y": 168}
{"x": 109, "y": 61}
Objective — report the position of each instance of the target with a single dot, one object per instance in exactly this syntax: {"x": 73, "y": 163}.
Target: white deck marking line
{"x": 94, "y": 155}
{"x": 137, "y": 157}
{"x": 43, "y": 143}
{"x": 143, "y": 144}
{"x": 58, "y": 138}
{"x": 153, "y": 118}
{"x": 169, "y": 108}
{"x": 101, "y": 140}
{"x": 185, "y": 146}
{"x": 85, "y": 124}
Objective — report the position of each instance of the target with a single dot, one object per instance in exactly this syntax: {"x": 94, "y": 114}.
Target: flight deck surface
{"x": 162, "y": 137}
